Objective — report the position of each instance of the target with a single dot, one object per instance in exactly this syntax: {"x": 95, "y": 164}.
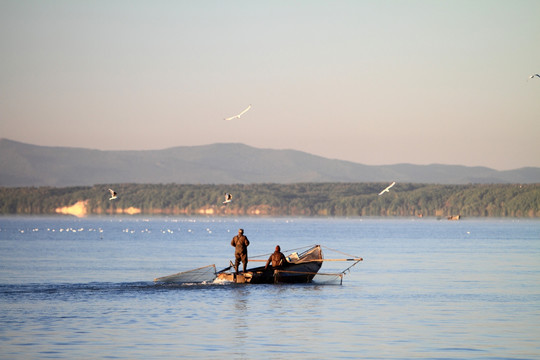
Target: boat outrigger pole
{"x": 351, "y": 259}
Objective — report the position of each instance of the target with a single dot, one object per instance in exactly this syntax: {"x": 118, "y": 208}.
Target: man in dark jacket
{"x": 277, "y": 259}
{"x": 240, "y": 243}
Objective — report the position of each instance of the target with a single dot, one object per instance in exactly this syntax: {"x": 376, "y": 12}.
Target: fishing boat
{"x": 301, "y": 267}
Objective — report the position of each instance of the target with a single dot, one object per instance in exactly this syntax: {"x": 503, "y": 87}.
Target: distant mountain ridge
{"x": 31, "y": 165}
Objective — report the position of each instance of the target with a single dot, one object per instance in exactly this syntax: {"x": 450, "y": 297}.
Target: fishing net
{"x": 205, "y": 274}
{"x": 328, "y": 279}
{"x": 334, "y": 271}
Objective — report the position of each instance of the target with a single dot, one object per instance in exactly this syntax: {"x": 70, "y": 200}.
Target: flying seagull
{"x": 113, "y": 194}
{"x": 228, "y": 198}
{"x": 388, "y": 188}
{"x": 239, "y": 115}
{"x": 533, "y": 75}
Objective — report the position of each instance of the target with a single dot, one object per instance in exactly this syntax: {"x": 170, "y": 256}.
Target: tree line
{"x": 300, "y": 199}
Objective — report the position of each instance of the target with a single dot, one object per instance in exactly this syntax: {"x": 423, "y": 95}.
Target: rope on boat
{"x": 251, "y": 258}
{"x": 341, "y": 252}
{"x": 356, "y": 259}
{"x": 348, "y": 269}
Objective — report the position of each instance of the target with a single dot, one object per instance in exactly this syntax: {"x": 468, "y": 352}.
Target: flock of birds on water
{"x": 228, "y": 197}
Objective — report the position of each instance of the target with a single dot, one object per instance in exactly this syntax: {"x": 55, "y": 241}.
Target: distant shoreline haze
{"x": 300, "y": 199}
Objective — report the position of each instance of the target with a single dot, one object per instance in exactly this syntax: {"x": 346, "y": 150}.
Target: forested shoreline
{"x": 300, "y": 199}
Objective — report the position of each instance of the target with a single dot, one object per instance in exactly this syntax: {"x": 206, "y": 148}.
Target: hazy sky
{"x": 374, "y": 82}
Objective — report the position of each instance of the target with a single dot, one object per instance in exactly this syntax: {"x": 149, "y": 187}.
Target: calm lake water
{"x": 434, "y": 289}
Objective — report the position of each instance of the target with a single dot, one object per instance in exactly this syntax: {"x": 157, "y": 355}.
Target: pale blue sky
{"x": 374, "y": 82}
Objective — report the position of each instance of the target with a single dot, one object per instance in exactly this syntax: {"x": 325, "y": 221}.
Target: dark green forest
{"x": 301, "y": 199}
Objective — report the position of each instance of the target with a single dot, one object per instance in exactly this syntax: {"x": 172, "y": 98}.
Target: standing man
{"x": 240, "y": 243}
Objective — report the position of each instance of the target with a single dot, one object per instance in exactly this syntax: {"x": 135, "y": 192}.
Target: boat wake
{"x": 83, "y": 291}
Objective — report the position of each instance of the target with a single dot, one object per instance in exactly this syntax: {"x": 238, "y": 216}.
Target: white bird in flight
{"x": 239, "y": 115}
{"x": 113, "y": 194}
{"x": 228, "y": 198}
{"x": 388, "y": 188}
{"x": 533, "y": 75}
